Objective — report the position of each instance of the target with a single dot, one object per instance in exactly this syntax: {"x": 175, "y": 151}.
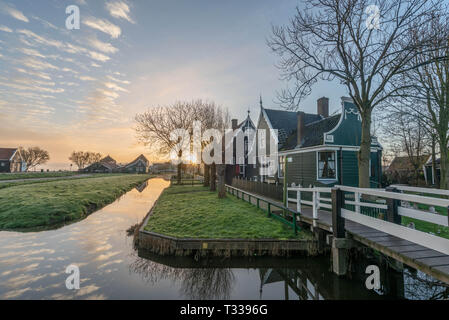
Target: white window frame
{"x": 318, "y": 168}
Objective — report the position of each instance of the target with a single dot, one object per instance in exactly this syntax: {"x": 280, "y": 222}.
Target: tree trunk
{"x": 221, "y": 169}
{"x": 444, "y": 166}
{"x": 434, "y": 164}
{"x": 213, "y": 177}
{"x": 206, "y": 175}
{"x": 179, "y": 175}
{"x": 365, "y": 151}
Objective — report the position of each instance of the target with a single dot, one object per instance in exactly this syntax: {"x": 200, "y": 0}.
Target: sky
{"x": 66, "y": 90}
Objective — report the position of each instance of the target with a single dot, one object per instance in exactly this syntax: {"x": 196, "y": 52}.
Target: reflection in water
{"x": 32, "y": 266}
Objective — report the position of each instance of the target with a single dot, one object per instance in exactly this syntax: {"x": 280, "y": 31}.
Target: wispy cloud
{"x": 103, "y": 25}
{"x": 5, "y": 29}
{"x": 16, "y": 14}
{"x": 119, "y": 10}
{"x": 102, "y": 46}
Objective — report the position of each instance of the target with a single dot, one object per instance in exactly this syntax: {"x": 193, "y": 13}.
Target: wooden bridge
{"x": 349, "y": 217}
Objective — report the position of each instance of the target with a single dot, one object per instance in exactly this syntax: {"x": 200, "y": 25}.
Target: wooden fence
{"x": 264, "y": 189}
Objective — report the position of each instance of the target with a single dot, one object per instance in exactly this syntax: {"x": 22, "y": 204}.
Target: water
{"x": 32, "y": 266}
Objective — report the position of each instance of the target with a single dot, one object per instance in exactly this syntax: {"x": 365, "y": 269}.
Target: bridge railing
{"x": 394, "y": 200}
{"x": 320, "y": 198}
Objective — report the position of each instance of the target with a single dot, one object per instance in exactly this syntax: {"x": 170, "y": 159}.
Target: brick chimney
{"x": 234, "y": 124}
{"x": 300, "y": 127}
{"x": 323, "y": 107}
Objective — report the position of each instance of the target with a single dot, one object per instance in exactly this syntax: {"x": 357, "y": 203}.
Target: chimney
{"x": 323, "y": 107}
{"x": 234, "y": 124}
{"x": 300, "y": 129}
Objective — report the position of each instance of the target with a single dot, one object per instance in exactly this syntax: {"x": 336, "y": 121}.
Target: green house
{"x": 321, "y": 150}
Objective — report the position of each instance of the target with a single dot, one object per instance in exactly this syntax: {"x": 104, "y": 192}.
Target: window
{"x": 327, "y": 165}
{"x": 3, "y": 164}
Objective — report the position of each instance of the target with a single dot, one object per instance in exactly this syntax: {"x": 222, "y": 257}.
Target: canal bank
{"x": 192, "y": 221}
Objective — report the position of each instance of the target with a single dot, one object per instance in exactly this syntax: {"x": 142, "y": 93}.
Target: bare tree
{"x": 156, "y": 126}
{"x": 428, "y": 77}
{"x": 34, "y": 156}
{"x": 82, "y": 159}
{"x": 338, "y": 40}
{"x": 408, "y": 134}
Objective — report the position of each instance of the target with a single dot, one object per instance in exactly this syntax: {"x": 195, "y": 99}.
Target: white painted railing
{"x": 440, "y": 192}
{"x": 422, "y": 238}
{"x": 317, "y": 200}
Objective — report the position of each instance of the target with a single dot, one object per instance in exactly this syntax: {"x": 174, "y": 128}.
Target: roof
{"x": 246, "y": 123}
{"x": 286, "y": 122}
{"x": 403, "y": 163}
{"x": 141, "y": 158}
{"x": 7, "y": 153}
{"x": 313, "y": 133}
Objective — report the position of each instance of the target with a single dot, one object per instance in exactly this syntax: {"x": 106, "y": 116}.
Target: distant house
{"x": 401, "y": 169}
{"x": 139, "y": 165}
{"x": 105, "y": 165}
{"x": 11, "y": 160}
{"x": 163, "y": 167}
{"x": 241, "y": 168}
{"x": 321, "y": 150}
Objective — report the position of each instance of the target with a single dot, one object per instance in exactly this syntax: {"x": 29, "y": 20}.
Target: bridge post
{"x": 340, "y": 245}
{"x": 393, "y": 204}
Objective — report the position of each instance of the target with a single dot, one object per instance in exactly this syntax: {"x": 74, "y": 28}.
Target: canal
{"x": 33, "y": 265}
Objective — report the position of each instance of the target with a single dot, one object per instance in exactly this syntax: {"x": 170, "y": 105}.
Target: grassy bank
{"x": 195, "y": 212}
{"x": 35, "y": 175}
{"x": 52, "y": 203}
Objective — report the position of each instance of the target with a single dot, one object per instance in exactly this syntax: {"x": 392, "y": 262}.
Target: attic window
{"x": 327, "y": 165}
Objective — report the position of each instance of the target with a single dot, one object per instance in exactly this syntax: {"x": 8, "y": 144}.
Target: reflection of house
{"x": 241, "y": 167}
{"x": 11, "y": 160}
{"x": 105, "y": 165}
{"x": 321, "y": 150}
{"x": 139, "y": 165}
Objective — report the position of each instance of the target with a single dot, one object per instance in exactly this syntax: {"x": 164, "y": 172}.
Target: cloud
{"x": 119, "y": 10}
{"x": 37, "y": 64}
{"x": 98, "y": 56}
{"x": 16, "y": 14}
{"x": 5, "y": 29}
{"x": 102, "y": 46}
{"x": 115, "y": 87}
{"x": 118, "y": 80}
{"x": 103, "y": 25}
{"x": 87, "y": 78}
{"x": 31, "y": 52}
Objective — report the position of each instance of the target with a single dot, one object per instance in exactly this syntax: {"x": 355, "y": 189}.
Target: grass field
{"x": 195, "y": 212}
{"x": 52, "y": 203}
{"x": 35, "y": 175}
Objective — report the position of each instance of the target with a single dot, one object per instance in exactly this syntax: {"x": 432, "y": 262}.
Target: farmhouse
{"x": 11, "y": 160}
{"x": 105, "y": 165}
{"x": 139, "y": 165}
{"x": 320, "y": 150}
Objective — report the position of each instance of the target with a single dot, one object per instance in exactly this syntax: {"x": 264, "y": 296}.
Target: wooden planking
{"x": 443, "y": 269}
{"x": 428, "y": 253}
{"x": 436, "y": 261}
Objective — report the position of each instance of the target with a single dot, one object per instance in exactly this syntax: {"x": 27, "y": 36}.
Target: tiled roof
{"x": 7, "y": 153}
{"x": 139, "y": 158}
{"x": 314, "y": 133}
{"x": 286, "y": 123}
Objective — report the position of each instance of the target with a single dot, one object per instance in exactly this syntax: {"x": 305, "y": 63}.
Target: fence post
{"x": 295, "y": 228}
{"x": 357, "y": 199}
{"x": 269, "y": 209}
{"x": 298, "y": 203}
{"x": 258, "y": 205}
{"x": 314, "y": 205}
{"x": 392, "y": 210}
{"x": 338, "y": 223}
